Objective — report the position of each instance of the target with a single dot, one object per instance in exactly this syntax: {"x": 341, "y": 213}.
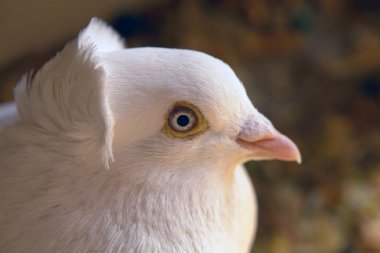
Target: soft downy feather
{"x": 57, "y": 196}
{"x": 58, "y": 100}
{"x": 8, "y": 114}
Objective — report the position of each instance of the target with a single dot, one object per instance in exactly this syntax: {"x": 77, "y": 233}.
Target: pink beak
{"x": 268, "y": 143}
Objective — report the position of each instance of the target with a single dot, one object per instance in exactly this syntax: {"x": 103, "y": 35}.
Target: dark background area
{"x": 313, "y": 67}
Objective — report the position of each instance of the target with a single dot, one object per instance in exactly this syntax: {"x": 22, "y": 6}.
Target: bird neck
{"x": 184, "y": 204}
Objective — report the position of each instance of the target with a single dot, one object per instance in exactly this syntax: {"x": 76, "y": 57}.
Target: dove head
{"x": 149, "y": 107}
{"x": 181, "y": 107}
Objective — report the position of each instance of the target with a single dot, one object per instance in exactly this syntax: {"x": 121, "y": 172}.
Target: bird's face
{"x": 184, "y": 106}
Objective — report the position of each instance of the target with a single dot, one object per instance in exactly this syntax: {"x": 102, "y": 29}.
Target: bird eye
{"x": 184, "y": 120}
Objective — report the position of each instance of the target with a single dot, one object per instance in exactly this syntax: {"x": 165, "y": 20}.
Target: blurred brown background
{"x": 313, "y": 67}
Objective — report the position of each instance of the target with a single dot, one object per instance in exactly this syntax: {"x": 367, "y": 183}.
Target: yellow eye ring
{"x": 184, "y": 120}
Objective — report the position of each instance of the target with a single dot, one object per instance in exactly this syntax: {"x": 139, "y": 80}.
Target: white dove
{"x": 132, "y": 150}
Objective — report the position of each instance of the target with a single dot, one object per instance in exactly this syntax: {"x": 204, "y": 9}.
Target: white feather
{"x": 8, "y": 114}
{"x": 98, "y": 105}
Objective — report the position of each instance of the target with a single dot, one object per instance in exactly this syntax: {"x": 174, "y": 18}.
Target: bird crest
{"x": 57, "y": 98}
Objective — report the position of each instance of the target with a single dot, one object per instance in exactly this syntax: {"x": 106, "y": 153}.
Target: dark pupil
{"x": 183, "y": 120}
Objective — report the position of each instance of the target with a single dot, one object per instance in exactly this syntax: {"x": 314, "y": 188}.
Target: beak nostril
{"x": 260, "y": 137}
{"x": 257, "y": 127}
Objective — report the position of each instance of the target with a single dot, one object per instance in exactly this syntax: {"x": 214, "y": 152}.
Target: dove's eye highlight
{"x": 184, "y": 120}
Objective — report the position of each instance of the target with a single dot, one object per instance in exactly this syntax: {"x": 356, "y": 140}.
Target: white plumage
{"x": 94, "y": 163}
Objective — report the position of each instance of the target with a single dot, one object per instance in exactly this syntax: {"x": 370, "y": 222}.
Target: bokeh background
{"x": 313, "y": 67}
